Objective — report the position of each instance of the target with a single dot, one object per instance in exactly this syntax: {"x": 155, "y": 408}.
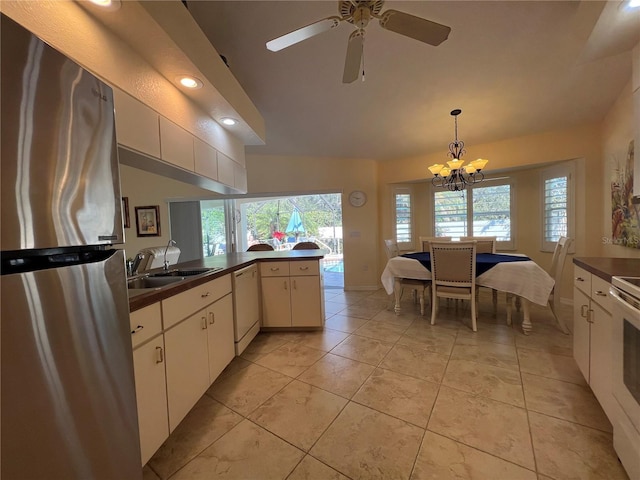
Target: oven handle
{"x": 626, "y": 303}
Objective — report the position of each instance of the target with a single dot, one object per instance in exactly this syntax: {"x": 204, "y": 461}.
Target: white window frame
{"x": 563, "y": 170}
{"x": 408, "y": 245}
{"x": 501, "y": 245}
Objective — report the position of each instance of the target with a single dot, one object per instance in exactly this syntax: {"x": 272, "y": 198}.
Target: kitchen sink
{"x": 152, "y": 282}
{"x": 183, "y": 272}
{"x": 145, "y": 282}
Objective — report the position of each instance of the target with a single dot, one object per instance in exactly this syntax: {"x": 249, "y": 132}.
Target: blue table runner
{"x": 484, "y": 261}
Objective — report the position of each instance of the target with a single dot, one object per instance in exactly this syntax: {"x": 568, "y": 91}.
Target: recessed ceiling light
{"x": 229, "y": 121}
{"x": 629, "y": 5}
{"x": 107, "y": 4}
{"x": 189, "y": 82}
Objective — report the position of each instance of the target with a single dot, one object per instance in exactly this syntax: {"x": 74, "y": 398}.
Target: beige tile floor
{"x": 377, "y": 395}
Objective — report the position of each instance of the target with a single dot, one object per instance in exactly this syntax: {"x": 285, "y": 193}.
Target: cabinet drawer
{"x": 145, "y": 324}
{"x": 274, "y": 269}
{"x": 187, "y": 303}
{"x": 304, "y": 267}
{"x": 600, "y": 292}
{"x": 582, "y": 280}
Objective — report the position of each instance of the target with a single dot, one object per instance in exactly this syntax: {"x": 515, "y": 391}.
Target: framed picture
{"x": 125, "y": 212}
{"x": 148, "y": 221}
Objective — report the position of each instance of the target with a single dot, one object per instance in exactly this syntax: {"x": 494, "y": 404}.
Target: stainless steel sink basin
{"x": 153, "y": 282}
{"x": 183, "y": 272}
{"x": 138, "y": 285}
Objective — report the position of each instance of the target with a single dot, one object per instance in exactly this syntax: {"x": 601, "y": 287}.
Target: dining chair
{"x": 424, "y": 242}
{"x": 306, "y": 246}
{"x": 420, "y": 287}
{"x": 557, "y": 267}
{"x": 483, "y": 244}
{"x": 260, "y": 247}
{"x": 453, "y": 275}
{"x": 486, "y": 245}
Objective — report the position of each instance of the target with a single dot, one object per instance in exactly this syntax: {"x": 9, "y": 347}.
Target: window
{"x": 482, "y": 211}
{"x": 402, "y": 210}
{"x": 557, "y": 201}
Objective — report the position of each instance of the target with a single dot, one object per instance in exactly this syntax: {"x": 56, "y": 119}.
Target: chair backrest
{"x": 424, "y": 241}
{"x": 306, "y": 246}
{"x": 391, "y": 248}
{"x": 559, "y": 256}
{"x": 483, "y": 244}
{"x": 260, "y": 247}
{"x": 562, "y": 242}
{"x": 453, "y": 263}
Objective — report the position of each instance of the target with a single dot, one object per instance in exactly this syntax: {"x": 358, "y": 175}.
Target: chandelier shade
{"x": 455, "y": 175}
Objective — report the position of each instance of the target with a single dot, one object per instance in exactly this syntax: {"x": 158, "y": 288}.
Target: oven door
{"x": 626, "y": 353}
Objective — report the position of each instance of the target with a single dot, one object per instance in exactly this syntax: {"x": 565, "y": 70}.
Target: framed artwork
{"x": 148, "y": 221}
{"x": 125, "y": 212}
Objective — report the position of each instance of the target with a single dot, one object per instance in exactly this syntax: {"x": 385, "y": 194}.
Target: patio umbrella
{"x": 295, "y": 225}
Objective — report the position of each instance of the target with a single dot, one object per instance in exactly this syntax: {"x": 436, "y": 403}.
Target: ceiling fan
{"x": 359, "y": 13}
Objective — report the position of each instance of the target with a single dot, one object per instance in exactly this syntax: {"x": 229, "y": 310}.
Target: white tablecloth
{"x": 526, "y": 279}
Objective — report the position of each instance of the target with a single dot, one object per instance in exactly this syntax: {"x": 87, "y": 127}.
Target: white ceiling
{"x": 513, "y": 67}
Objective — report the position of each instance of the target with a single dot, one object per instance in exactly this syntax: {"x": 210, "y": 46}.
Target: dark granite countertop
{"x": 228, "y": 263}
{"x": 607, "y": 267}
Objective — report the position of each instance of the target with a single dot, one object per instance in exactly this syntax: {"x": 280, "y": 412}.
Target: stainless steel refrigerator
{"x": 68, "y": 407}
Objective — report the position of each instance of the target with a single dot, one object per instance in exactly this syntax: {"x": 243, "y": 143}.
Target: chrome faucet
{"x": 170, "y": 244}
{"x": 136, "y": 264}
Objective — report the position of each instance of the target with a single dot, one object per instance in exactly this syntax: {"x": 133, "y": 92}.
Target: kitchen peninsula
{"x": 185, "y": 333}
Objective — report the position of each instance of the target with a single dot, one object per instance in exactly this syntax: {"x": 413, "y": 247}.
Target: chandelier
{"x": 455, "y": 176}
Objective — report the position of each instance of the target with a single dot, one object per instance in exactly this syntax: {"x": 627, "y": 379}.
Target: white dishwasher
{"x": 246, "y": 306}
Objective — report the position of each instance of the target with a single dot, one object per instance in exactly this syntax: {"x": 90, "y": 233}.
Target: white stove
{"x": 625, "y": 293}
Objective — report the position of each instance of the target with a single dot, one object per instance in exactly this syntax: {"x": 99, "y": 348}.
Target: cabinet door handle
{"x": 584, "y": 312}
{"x": 205, "y": 295}
{"x": 204, "y": 323}
{"x": 590, "y": 316}
{"x": 600, "y": 293}
{"x": 304, "y": 268}
{"x": 159, "y": 355}
{"x": 212, "y": 318}
{"x": 137, "y": 329}
{"x": 274, "y": 269}
{"x": 579, "y": 279}
{"x": 295, "y": 286}
{"x": 285, "y": 285}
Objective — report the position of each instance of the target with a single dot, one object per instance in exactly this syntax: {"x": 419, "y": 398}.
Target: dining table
{"x": 515, "y": 274}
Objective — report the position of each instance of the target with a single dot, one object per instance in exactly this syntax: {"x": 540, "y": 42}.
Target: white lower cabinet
{"x": 187, "y": 365}
{"x": 151, "y": 384}
{"x": 175, "y": 366}
{"x": 292, "y": 294}
{"x": 151, "y": 394}
{"x": 592, "y": 337}
{"x": 220, "y": 339}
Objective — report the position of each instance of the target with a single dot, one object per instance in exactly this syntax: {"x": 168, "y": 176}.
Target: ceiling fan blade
{"x": 353, "y": 61}
{"x": 415, "y": 27}
{"x": 303, "y": 33}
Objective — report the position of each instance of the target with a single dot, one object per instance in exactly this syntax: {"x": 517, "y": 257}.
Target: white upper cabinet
{"x": 226, "y": 169}
{"x": 206, "y": 161}
{"x": 137, "y": 126}
{"x": 176, "y": 145}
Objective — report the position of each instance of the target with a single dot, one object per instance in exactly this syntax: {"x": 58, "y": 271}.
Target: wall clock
{"x": 357, "y": 198}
